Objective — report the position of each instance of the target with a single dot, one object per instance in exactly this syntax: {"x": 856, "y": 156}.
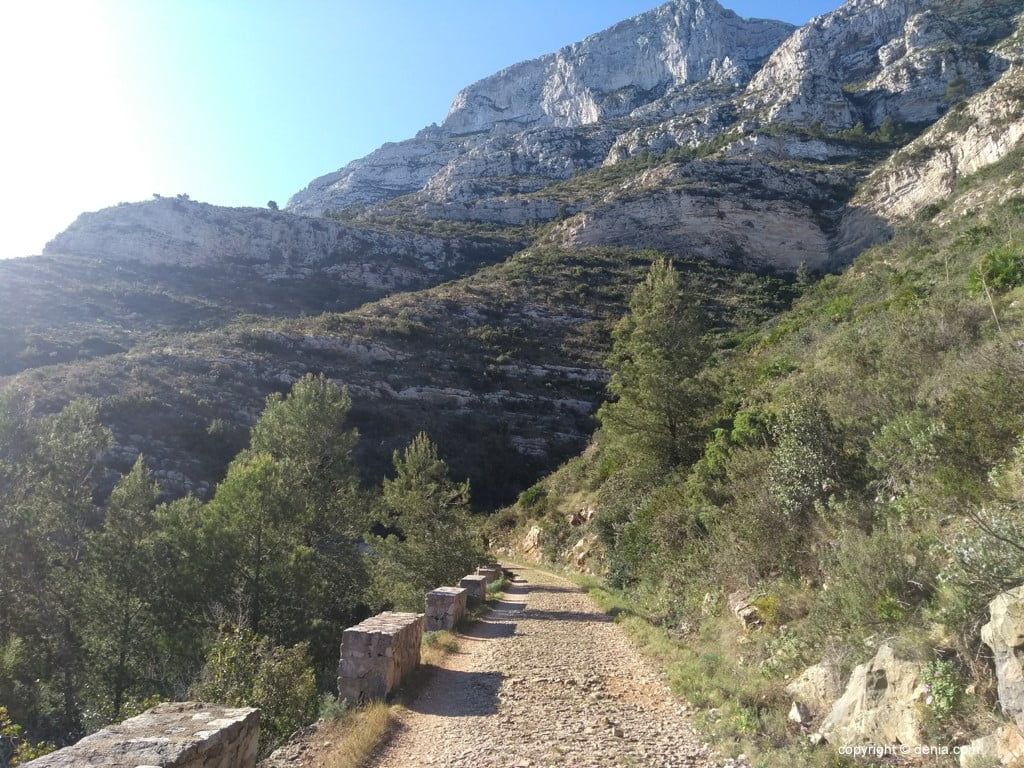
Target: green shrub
{"x": 244, "y": 669}
{"x": 1000, "y": 270}
{"x": 877, "y": 579}
{"x": 333, "y": 708}
{"x": 945, "y": 690}
{"x": 533, "y": 497}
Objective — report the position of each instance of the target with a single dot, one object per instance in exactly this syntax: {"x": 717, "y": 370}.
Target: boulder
{"x": 1005, "y": 747}
{"x": 744, "y": 610}
{"x": 1004, "y": 634}
{"x": 531, "y": 542}
{"x": 817, "y": 688}
{"x": 880, "y": 704}
{"x": 799, "y": 714}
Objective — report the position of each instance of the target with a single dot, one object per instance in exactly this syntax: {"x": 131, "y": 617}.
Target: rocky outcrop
{"x": 644, "y": 67}
{"x": 975, "y": 134}
{"x": 816, "y": 689}
{"x": 743, "y": 608}
{"x": 178, "y": 232}
{"x": 1003, "y": 747}
{"x": 747, "y": 214}
{"x": 614, "y": 72}
{"x": 1004, "y": 634}
{"x": 872, "y": 59}
{"x": 186, "y": 735}
{"x": 880, "y": 704}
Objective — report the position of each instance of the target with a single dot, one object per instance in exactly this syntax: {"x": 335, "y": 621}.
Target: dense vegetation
{"x": 856, "y": 466}
{"x": 106, "y": 608}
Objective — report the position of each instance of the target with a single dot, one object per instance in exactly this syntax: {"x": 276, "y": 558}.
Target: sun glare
{"x": 69, "y": 133}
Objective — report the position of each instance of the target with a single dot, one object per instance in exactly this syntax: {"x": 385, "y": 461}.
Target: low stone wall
{"x": 476, "y": 588}
{"x": 492, "y": 574}
{"x": 445, "y": 608}
{"x": 181, "y": 735}
{"x": 377, "y": 654}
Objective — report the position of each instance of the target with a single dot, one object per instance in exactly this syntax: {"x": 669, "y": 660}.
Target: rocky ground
{"x": 545, "y": 679}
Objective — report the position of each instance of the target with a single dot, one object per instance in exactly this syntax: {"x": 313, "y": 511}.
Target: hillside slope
{"x": 686, "y": 130}
{"x": 857, "y": 490}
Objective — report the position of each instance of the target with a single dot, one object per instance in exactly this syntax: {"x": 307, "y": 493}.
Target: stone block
{"x": 491, "y": 574}
{"x": 476, "y": 588}
{"x": 378, "y": 654}
{"x": 179, "y": 735}
{"x": 445, "y": 608}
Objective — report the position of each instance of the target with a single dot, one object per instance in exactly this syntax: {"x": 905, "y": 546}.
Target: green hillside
{"x": 861, "y": 479}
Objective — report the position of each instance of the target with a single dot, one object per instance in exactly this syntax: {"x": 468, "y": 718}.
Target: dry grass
{"x": 437, "y": 645}
{"x": 355, "y": 736}
{"x": 359, "y": 732}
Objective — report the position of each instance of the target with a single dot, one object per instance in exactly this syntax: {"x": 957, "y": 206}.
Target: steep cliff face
{"x": 872, "y": 59}
{"x": 180, "y": 232}
{"x": 920, "y": 178}
{"x": 688, "y": 77}
{"x": 617, "y": 71}
{"x": 646, "y": 64}
{"x": 746, "y": 213}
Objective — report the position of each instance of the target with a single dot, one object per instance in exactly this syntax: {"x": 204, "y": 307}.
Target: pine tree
{"x": 434, "y": 542}
{"x": 121, "y": 584}
{"x": 657, "y": 355}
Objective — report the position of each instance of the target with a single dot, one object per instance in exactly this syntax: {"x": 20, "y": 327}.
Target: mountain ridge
{"x": 219, "y": 301}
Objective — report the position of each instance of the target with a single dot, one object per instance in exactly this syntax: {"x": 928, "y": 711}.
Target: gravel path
{"x": 545, "y": 679}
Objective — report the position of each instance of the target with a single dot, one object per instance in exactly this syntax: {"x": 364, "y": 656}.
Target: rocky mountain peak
{"x": 611, "y": 73}
{"x": 635, "y": 67}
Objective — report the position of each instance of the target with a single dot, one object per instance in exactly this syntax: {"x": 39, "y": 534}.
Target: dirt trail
{"x": 545, "y": 679}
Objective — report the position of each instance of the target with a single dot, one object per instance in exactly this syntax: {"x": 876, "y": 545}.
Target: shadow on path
{"x": 454, "y": 693}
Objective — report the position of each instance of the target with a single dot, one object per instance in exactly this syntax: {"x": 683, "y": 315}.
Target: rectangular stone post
{"x": 377, "y": 654}
{"x": 476, "y": 587}
{"x": 445, "y": 608}
{"x": 180, "y": 735}
{"x": 492, "y": 574}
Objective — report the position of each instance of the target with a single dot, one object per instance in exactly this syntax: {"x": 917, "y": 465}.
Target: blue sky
{"x": 240, "y": 101}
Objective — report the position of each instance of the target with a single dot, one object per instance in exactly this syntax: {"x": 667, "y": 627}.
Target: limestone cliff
{"x": 625, "y": 69}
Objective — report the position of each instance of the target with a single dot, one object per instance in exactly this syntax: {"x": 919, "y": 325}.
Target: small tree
{"x": 658, "y": 352}
{"x": 272, "y": 205}
{"x": 120, "y": 584}
{"x": 244, "y": 669}
{"x": 434, "y": 542}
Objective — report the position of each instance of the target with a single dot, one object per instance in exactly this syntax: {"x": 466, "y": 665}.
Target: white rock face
{"x": 816, "y": 689}
{"x": 185, "y": 233}
{"x": 871, "y": 59}
{"x": 881, "y": 704}
{"x": 803, "y": 79}
{"x": 1004, "y": 634}
{"x": 981, "y": 131}
{"x": 625, "y": 69}
{"x": 616, "y": 71}
{"x": 746, "y": 214}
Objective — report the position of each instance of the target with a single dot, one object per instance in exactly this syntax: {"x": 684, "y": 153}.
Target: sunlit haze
{"x": 240, "y": 102}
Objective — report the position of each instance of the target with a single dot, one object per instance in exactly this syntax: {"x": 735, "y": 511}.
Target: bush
{"x": 244, "y": 669}
{"x": 877, "y": 579}
{"x": 945, "y": 690}
{"x": 1000, "y": 270}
